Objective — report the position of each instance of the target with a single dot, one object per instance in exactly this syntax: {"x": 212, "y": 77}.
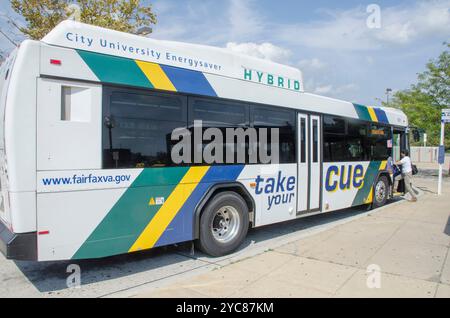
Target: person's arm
{"x": 401, "y": 162}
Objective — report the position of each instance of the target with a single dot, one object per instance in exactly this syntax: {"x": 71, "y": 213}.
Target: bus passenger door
{"x": 303, "y": 164}
{"x": 309, "y": 164}
{"x": 315, "y": 163}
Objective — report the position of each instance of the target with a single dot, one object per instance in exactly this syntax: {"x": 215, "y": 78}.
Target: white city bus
{"x": 86, "y": 171}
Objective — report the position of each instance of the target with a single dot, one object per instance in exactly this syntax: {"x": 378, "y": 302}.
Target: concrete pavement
{"x": 432, "y": 169}
{"x": 408, "y": 243}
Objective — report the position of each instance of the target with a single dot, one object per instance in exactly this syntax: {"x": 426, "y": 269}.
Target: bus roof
{"x": 206, "y": 59}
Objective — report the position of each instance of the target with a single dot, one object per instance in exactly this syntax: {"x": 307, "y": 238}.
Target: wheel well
{"x": 381, "y": 174}
{"x": 384, "y": 174}
{"x": 238, "y": 188}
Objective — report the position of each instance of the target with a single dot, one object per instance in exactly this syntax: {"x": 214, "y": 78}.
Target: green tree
{"x": 41, "y": 16}
{"x": 424, "y": 101}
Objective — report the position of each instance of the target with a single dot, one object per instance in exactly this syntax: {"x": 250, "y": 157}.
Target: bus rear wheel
{"x": 381, "y": 192}
{"x": 223, "y": 224}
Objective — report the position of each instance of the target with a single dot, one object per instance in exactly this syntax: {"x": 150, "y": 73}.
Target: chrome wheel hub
{"x": 380, "y": 191}
{"x": 225, "y": 224}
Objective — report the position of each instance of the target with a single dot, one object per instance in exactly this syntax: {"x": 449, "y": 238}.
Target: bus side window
{"x": 267, "y": 117}
{"x": 219, "y": 115}
{"x": 335, "y": 140}
{"x": 138, "y": 127}
{"x": 377, "y": 141}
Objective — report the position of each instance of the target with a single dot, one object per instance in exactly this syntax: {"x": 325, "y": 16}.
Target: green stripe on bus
{"x": 131, "y": 214}
{"x": 115, "y": 70}
{"x": 369, "y": 179}
{"x": 363, "y": 112}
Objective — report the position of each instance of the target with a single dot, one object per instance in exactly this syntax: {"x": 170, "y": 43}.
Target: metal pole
{"x": 441, "y": 165}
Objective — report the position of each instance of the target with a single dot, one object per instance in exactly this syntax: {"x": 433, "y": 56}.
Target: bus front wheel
{"x": 223, "y": 224}
{"x": 381, "y": 192}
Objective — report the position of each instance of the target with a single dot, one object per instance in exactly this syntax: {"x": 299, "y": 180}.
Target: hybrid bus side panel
{"x": 156, "y": 209}
{"x": 349, "y": 184}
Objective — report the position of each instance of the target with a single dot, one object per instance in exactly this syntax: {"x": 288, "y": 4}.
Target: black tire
{"x": 381, "y": 192}
{"x": 221, "y": 206}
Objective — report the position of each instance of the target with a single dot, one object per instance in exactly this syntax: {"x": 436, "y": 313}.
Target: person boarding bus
{"x": 406, "y": 175}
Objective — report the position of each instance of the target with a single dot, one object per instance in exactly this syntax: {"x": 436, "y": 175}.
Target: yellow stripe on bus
{"x": 382, "y": 167}
{"x": 156, "y": 76}
{"x": 372, "y": 114}
{"x": 150, "y": 236}
{"x": 369, "y": 199}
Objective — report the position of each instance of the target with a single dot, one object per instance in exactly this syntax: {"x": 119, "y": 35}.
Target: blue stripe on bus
{"x": 188, "y": 81}
{"x": 181, "y": 229}
{"x": 381, "y": 114}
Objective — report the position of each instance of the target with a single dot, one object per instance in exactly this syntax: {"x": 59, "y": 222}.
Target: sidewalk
{"x": 408, "y": 242}
{"x": 432, "y": 169}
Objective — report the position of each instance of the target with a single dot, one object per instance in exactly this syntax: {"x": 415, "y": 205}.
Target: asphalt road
{"x": 126, "y": 275}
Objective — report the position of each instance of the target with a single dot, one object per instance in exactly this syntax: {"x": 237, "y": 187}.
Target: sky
{"x": 345, "y": 49}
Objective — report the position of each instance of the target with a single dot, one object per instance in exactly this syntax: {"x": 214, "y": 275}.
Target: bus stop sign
{"x": 441, "y": 155}
{"x": 445, "y": 120}
{"x": 446, "y": 116}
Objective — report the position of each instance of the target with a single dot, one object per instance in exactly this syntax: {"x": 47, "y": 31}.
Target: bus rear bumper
{"x": 21, "y": 247}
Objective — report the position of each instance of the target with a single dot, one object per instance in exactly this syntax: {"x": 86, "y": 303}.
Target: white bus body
{"x": 58, "y": 202}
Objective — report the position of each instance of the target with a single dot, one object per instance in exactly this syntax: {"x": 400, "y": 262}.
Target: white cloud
{"x": 244, "y": 22}
{"x": 348, "y": 29}
{"x": 266, "y": 51}
{"x": 346, "y": 88}
{"x": 241, "y": 21}
{"x": 340, "y": 30}
{"x": 313, "y": 64}
{"x": 323, "y": 89}
{"x": 404, "y": 26}
{"x": 331, "y": 90}
{"x": 193, "y": 21}
{"x": 370, "y": 60}
{"x": 173, "y": 31}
